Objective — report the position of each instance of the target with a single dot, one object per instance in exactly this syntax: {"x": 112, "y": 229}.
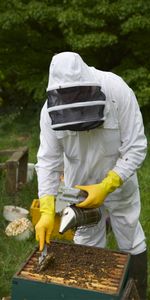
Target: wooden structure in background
{"x": 130, "y": 291}
{"x": 16, "y": 168}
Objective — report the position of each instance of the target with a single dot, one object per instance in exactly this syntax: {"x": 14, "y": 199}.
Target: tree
{"x": 111, "y": 35}
{"x": 29, "y": 36}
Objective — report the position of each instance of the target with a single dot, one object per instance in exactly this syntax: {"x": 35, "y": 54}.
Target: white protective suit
{"x": 87, "y": 156}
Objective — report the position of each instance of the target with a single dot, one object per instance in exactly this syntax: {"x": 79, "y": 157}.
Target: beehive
{"x": 76, "y": 272}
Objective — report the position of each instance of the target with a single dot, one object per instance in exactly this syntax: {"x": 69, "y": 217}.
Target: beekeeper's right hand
{"x": 45, "y": 225}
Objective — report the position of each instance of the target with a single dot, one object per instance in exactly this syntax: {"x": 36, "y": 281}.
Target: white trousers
{"x": 124, "y": 217}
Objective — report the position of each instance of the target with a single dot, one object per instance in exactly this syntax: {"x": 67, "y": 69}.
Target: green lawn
{"x": 23, "y": 130}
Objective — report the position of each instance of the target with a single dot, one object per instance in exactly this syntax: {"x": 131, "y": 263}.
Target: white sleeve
{"x": 49, "y": 158}
{"x": 133, "y": 140}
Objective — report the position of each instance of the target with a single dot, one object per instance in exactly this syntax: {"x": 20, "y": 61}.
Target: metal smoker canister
{"x": 73, "y": 216}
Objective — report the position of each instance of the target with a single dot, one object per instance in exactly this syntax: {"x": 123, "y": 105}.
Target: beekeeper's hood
{"x": 75, "y": 100}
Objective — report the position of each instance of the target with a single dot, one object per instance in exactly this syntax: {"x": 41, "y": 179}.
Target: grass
{"x": 23, "y": 130}
{"x": 16, "y": 130}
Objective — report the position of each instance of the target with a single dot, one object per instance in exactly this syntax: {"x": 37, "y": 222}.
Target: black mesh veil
{"x": 76, "y": 108}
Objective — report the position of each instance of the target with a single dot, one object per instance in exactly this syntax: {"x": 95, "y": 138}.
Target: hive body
{"x": 76, "y": 272}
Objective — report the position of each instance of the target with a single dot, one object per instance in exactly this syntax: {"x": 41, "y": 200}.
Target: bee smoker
{"x": 74, "y": 217}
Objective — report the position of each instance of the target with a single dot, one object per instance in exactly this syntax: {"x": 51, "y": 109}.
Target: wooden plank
{"x": 11, "y": 177}
{"x": 15, "y": 156}
{"x": 7, "y": 152}
{"x": 16, "y": 167}
{"x": 130, "y": 291}
{"x": 22, "y": 171}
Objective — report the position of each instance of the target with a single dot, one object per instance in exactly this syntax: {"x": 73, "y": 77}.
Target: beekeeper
{"x": 92, "y": 128}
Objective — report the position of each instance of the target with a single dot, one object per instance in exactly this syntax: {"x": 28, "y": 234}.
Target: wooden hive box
{"x": 76, "y": 272}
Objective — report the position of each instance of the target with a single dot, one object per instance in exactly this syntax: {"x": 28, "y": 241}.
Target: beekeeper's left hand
{"x": 98, "y": 192}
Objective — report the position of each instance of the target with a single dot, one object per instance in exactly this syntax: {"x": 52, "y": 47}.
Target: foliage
{"x": 109, "y": 34}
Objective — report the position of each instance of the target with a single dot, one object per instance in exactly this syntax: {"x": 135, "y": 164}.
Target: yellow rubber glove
{"x": 98, "y": 192}
{"x": 45, "y": 225}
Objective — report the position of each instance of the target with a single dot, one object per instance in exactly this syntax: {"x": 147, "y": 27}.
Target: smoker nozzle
{"x": 67, "y": 219}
